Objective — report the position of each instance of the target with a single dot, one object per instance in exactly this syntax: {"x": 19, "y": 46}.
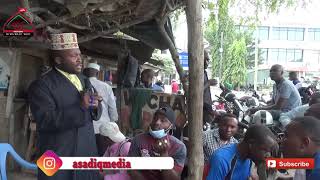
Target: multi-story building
{"x": 292, "y": 39}
{"x": 297, "y": 48}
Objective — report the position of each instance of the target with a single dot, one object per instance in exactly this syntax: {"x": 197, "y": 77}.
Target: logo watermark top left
{"x": 18, "y": 24}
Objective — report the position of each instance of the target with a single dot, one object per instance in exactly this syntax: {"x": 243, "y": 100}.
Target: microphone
{"x": 89, "y": 89}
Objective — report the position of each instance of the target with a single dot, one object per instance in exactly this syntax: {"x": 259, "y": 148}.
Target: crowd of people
{"x": 76, "y": 116}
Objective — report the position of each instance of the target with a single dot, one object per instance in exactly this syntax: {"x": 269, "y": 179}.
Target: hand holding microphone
{"x": 90, "y": 101}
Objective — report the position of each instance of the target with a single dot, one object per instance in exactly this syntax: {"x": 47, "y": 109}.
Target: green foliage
{"x": 238, "y": 47}
{"x": 234, "y": 47}
{"x": 235, "y": 69}
{"x": 169, "y": 67}
{"x": 250, "y": 44}
{"x": 167, "y": 61}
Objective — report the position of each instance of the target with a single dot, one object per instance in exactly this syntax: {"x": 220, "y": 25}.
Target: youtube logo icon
{"x": 271, "y": 163}
{"x": 290, "y": 163}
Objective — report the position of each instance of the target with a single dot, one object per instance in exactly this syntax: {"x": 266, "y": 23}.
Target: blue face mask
{"x": 159, "y": 134}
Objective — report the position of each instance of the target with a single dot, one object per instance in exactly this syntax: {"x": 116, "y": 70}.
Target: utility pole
{"x": 216, "y": 13}
{"x": 221, "y": 57}
{"x": 195, "y": 96}
{"x": 256, "y": 50}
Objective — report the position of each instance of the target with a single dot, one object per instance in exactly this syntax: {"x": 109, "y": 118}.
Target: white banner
{"x": 112, "y": 163}
{"x": 50, "y": 163}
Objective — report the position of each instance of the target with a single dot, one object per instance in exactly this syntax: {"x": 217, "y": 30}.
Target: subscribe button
{"x": 290, "y": 163}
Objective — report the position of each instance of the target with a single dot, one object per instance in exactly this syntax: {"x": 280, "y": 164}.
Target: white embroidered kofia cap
{"x": 64, "y": 41}
{"x": 94, "y": 66}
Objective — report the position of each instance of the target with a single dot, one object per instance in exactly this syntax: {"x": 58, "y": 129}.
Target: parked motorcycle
{"x": 265, "y": 118}
{"x": 306, "y": 93}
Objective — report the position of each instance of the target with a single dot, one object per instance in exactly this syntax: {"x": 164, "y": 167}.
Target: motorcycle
{"x": 265, "y": 118}
{"x": 239, "y": 107}
{"x": 306, "y": 93}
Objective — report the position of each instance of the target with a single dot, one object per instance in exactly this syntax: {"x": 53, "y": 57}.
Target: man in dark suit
{"x": 64, "y": 110}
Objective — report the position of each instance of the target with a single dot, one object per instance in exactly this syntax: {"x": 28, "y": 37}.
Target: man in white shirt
{"x": 109, "y": 108}
{"x": 285, "y": 118}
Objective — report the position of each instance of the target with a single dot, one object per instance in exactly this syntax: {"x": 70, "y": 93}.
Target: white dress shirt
{"x": 109, "y": 108}
{"x": 300, "y": 174}
{"x": 285, "y": 118}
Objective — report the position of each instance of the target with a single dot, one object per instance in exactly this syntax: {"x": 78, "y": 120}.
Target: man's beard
{"x": 67, "y": 69}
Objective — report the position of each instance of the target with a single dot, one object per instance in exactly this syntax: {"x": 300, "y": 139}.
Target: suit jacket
{"x": 63, "y": 126}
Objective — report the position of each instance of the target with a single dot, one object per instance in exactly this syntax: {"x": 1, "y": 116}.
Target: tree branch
{"x": 53, "y": 21}
{"x": 98, "y": 5}
{"x": 173, "y": 50}
{"x": 169, "y": 5}
{"x": 95, "y": 35}
{"x": 42, "y": 10}
{"x": 66, "y": 23}
{"x": 56, "y": 31}
{"x": 139, "y": 6}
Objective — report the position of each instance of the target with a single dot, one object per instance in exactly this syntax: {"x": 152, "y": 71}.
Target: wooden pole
{"x": 195, "y": 100}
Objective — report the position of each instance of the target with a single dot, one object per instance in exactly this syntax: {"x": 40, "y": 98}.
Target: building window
{"x": 290, "y": 55}
{"x": 244, "y": 28}
{"x": 285, "y": 55}
{"x": 294, "y": 55}
{"x": 314, "y": 34}
{"x": 291, "y": 34}
{"x": 295, "y": 34}
{"x": 282, "y": 56}
{"x": 283, "y": 35}
{"x": 273, "y": 56}
{"x": 264, "y": 56}
{"x": 313, "y": 57}
{"x": 276, "y": 33}
{"x": 298, "y": 55}
{"x": 263, "y": 33}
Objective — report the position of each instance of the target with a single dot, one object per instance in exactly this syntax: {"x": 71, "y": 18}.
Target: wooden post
{"x": 12, "y": 89}
{"x": 196, "y": 81}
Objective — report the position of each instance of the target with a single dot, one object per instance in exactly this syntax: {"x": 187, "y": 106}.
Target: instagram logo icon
{"x": 49, "y": 163}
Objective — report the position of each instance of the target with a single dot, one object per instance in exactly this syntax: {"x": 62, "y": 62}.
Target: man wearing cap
{"x": 158, "y": 143}
{"x": 109, "y": 108}
{"x": 118, "y": 146}
{"x": 63, "y": 111}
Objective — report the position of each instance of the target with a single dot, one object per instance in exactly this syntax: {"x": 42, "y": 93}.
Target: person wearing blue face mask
{"x": 159, "y": 143}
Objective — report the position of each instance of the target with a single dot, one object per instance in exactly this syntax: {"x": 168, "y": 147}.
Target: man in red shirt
{"x": 158, "y": 143}
{"x": 174, "y": 86}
